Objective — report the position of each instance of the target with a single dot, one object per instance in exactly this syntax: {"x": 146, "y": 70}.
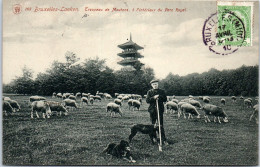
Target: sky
{"x": 172, "y": 41}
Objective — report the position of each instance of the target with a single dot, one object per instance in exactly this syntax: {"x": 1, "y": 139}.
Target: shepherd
{"x": 154, "y": 96}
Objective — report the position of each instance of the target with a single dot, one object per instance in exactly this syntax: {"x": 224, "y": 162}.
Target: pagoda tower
{"x": 130, "y": 54}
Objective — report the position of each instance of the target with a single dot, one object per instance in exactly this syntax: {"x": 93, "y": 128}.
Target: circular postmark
{"x": 17, "y": 9}
{"x": 231, "y": 29}
{"x": 210, "y": 34}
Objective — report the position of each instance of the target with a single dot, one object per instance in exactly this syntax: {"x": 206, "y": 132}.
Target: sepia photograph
{"x": 130, "y": 83}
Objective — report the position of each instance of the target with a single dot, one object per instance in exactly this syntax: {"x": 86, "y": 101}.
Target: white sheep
{"x": 91, "y": 100}
{"x": 54, "y": 95}
{"x": 72, "y": 97}
{"x": 248, "y": 103}
{"x": 223, "y": 101}
{"x": 85, "y": 95}
{"x": 195, "y": 103}
{"x": 7, "y": 108}
{"x": 58, "y": 107}
{"x": 130, "y": 103}
{"x": 206, "y": 99}
{"x": 118, "y": 102}
{"x": 215, "y": 111}
{"x": 59, "y": 95}
{"x": 41, "y": 106}
{"x": 175, "y": 101}
{"x": 84, "y": 100}
{"x": 136, "y": 104}
{"x": 70, "y": 103}
{"x": 14, "y": 105}
{"x": 113, "y": 108}
{"x": 234, "y": 99}
{"x": 78, "y": 94}
{"x": 190, "y": 109}
{"x": 172, "y": 106}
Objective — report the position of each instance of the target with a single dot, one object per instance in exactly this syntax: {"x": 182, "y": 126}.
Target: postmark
{"x": 234, "y": 24}
{"x": 209, "y": 33}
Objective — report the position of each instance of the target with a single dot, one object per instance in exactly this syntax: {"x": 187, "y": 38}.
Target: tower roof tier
{"x": 130, "y": 54}
{"x": 127, "y": 62}
{"x": 130, "y": 44}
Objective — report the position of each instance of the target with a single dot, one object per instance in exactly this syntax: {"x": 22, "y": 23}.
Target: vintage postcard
{"x": 127, "y": 82}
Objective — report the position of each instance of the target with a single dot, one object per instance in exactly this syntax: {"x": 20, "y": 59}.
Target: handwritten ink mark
{"x": 85, "y": 15}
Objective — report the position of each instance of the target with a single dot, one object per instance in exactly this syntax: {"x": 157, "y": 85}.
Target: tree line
{"x": 93, "y": 75}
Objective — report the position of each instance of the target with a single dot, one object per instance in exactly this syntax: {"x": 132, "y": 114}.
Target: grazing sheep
{"x": 250, "y": 99}
{"x": 234, "y": 99}
{"x": 14, "y": 105}
{"x": 100, "y": 94}
{"x": 58, "y": 107}
{"x": 223, "y": 101}
{"x": 84, "y": 100}
{"x": 70, "y": 103}
{"x": 248, "y": 103}
{"x": 190, "y": 109}
{"x": 125, "y": 98}
{"x": 241, "y": 97}
{"x": 255, "y": 113}
{"x": 54, "y": 95}
{"x": 215, "y": 111}
{"x": 190, "y": 97}
{"x": 206, "y": 100}
{"x": 107, "y": 96}
{"x": 185, "y": 100}
{"x": 136, "y": 104}
{"x": 120, "y": 97}
{"x": 118, "y": 102}
{"x": 7, "y": 108}
{"x": 59, "y": 95}
{"x": 113, "y": 108}
{"x": 85, "y": 95}
{"x": 66, "y": 95}
{"x": 72, "y": 97}
{"x": 207, "y": 97}
{"x": 116, "y": 94}
{"x": 181, "y": 103}
{"x": 97, "y": 97}
{"x": 172, "y": 106}
{"x": 200, "y": 97}
{"x": 195, "y": 103}
{"x": 91, "y": 100}
{"x": 130, "y": 103}
{"x": 175, "y": 101}
{"x": 6, "y": 98}
{"x": 41, "y": 106}
{"x": 78, "y": 94}
{"x": 173, "y": 96}
{"x": 145, "y": 96}
{"x": 36, "y": 98}
{"x": 140, "y": 100}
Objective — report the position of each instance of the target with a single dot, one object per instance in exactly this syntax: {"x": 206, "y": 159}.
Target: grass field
{"x": 80, "y": 137}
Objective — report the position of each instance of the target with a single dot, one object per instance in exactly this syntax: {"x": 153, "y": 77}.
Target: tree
{"x": 25, "y": 83}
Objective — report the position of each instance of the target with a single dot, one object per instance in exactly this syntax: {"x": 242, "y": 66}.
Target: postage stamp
{"x": 234, "y": 23}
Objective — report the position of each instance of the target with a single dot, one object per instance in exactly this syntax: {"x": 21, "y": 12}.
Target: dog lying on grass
{"x": 121, "y": 150}
{"x": 145, "y": 129}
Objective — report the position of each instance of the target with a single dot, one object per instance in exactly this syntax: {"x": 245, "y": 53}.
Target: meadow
{"x": 80, "y": 137}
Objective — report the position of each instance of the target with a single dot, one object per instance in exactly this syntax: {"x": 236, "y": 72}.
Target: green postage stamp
{"x": 234, "y": 23}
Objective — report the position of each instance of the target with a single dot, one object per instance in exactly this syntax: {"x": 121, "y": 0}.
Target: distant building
{"x": 130, "y": 54}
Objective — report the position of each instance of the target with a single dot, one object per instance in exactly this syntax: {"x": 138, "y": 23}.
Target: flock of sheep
{"x": 186, "y": 107}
